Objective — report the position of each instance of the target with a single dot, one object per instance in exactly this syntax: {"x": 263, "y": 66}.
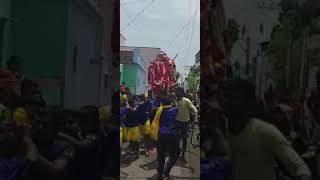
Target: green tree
{"x": 231, "y": 34}
{"x": 178, "y": 75}
{"x": 286, "y": 45}
{"x": 193, "y": 79}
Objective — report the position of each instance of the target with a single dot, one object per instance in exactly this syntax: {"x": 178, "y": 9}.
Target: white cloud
{"x": 161, "y": 23}
{"x": 153, "y": 16}
{"x": 182, "y": 7}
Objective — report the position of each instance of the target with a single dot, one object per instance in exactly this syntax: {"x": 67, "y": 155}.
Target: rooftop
{"x": 140, "y": 47}
{"x": 126, "y": 56}
{"x": 147, "y": 53}
{"x": 123, "y": 36}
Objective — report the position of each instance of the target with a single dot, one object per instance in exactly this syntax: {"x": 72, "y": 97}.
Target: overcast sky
{"x": 159, "y": 26}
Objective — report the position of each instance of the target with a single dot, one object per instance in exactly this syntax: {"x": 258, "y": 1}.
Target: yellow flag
{"x": 121, "y": 135}
{"x": 155, "y": 124}
{"x": 104, "y": 113}
{"x": 125, "y": 97}
{"x": 20, "y": 117}
{"x": 156, "y": 121}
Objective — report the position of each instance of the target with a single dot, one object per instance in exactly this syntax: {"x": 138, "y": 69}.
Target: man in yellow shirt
{"x": 256, "y": 146}
{"x": 184, "y": 106}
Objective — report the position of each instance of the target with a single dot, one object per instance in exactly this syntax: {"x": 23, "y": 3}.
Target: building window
{"x": 74, "y": 59}
{"x": 261, "y": 28}
{"x": 244, "y": 30}
{"x": 106, "y": 80}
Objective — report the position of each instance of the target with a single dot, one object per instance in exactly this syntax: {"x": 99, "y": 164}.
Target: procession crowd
{"x": 162, "y": 122}
{"x": 38, "y": 141}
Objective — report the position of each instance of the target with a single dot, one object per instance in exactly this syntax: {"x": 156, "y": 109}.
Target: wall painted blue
{"x": 141, "y": 72}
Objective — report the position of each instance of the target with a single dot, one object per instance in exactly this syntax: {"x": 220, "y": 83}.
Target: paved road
{"x": 145, "y": 167}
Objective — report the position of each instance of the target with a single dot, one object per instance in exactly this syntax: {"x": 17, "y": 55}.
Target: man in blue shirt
{"x": 167, "y": 139}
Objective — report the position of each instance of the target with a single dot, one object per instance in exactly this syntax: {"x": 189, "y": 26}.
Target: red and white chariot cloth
{"x": 161, "y": 73}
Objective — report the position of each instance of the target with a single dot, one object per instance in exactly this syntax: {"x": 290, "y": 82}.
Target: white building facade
{"x": 256, "y": 22}
{"x": 122, "y": 40}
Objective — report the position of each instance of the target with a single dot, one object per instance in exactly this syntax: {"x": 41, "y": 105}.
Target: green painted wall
{"x": 1, "y": 41}
{"x": 129, "y": 76}
{"x": 39, "y": 37}
{"x": 4, "y": 13}
{"x": 121, "y": 72}
{"x": 5, "y": 8}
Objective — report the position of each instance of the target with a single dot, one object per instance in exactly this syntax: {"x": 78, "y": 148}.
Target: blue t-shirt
{"x": 167, "y": 124}
{"x": 123, "y": 112}
{"x": 153, "y": 106}
{"x": 218, "y": 169}
{"x": 142, "y": 113}
{"x": 132, "y": 119}
{"x": 14, "y": 168}
{"x": 149, "y": 103}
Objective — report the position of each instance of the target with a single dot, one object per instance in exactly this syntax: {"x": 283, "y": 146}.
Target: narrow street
{"x": 145, "y": 167}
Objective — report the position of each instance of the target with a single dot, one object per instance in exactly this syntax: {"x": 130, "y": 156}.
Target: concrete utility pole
{"x": 304, "y": 67}
{"x": 287, "y": 68}
{"x": 248, "y": 57}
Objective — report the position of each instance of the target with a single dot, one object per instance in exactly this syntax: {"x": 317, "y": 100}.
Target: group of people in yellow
{"x": 164, "y": 120}
{"x": 139, "y": 117}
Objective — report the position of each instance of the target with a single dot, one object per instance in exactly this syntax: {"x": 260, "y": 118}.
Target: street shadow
{"x": 144, "y": 152}
{"x": 124, "y": 175}
{"x": 184, "y": 164}
{"x": 180, "y": 177}
{"x": 193, "y": 153}
{"x": 143, "y": 145}
{"x": 128, "y": 158}
{"x": 155, "y": 176}
{"x": 195, "y": 146}
{"x": 149, "y": 166}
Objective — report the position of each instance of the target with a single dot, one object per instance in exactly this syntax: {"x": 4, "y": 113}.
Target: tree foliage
{"x": 231, "y": 35}
{"x": 178, "y": 75}
{"x": 193, "y": 79}
{"x": 286, "y": 45}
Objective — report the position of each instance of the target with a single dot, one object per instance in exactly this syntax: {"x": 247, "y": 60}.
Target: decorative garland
{"x": 161, "y": 73}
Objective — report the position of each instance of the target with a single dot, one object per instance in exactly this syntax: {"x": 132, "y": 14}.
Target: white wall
{"x": 141, "y": 82}
{"x": 82, "y": 86}
{"x": 148, "y": 54}
{"x": 141, "y": 72}
{"x": 122, "y": 41}
{"x": 247, "y": 12}
{"x": 107, "y": 12}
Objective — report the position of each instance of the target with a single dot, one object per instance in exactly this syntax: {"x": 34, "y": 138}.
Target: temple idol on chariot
{"x": 162, "y": 74}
